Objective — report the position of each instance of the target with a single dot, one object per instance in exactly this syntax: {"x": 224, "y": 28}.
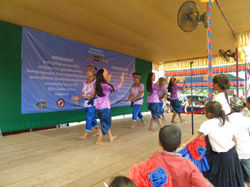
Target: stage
{"x": 56, "y": 157}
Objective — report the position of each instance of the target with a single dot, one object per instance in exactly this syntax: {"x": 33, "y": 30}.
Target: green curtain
{"x": 11, "y": 118}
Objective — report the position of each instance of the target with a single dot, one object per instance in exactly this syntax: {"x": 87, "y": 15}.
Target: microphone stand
{"x": 192, "y": 107}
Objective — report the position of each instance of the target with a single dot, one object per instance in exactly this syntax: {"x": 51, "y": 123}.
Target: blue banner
{"x": 53, "y": 70}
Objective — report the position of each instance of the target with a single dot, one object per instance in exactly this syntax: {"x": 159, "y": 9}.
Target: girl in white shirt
{"x": 221, "y": 83}
{"x": 225, "y": 169}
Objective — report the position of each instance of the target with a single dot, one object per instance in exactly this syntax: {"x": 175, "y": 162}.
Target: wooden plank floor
{"x": 56, "y": 157}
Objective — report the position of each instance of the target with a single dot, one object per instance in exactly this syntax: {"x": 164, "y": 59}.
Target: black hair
{"x": 170, "y": 85}
{"x": 215, "y": 108}
{"x": 149, "y": 82}
{"x": 121, "y": 181}
{"x": 248, "y": 99}
{"x": 135, "y": 73}
{"x": 100, "y": 79}
{"x": 170, "y": 137}
{"x": 223, "y": 82}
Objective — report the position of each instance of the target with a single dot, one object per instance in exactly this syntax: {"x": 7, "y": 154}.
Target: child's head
{"x": 121, "y": 181}
{"x": 161, "y": 81}
{"x": 173, "y": 81}
{"x": 213, "y": 109}
{"x": 136, "y": 77}
{"x": 221, "y": 83}
{"x": 236, "y": 104}
{"x": 101, "y": 77}
{"x": 150, "y": 80}
{"x": 248, "y": 103}
{"x": 170, "y": 138}
{"x": 91, "y": 71}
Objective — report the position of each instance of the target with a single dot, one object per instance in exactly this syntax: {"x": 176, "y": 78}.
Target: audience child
{"x": 225, "y": 169}
{"x": 241, "y": 126}
{"x": 122, "y": 181}
{"x": 183, "y": 172}
{"x": 221, "y": 83}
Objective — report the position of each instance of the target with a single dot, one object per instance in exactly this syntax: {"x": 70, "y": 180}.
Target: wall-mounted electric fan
{"x": 226, "y": 55}
{"x": 189, "y": 16}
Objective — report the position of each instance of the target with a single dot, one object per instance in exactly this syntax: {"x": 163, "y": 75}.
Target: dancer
{"x": 174, "y": 99}
{"x": 103, "y": 89}
{"x": 162, "y": 95}
{"x": 88, "y": 93}
{"x": 225, "y": 169}
{"x": 221, "y": 83}
{"x": 241, "y": 126}
{"x": 136, "y": 98}
{"x": 153, "y": 101}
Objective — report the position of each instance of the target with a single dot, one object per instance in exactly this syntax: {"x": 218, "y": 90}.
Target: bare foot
{"x": 151, "y": 129}
{"x": 112, "y": 138}
{"x": 183, "y": 120}
{"x": 84, "y": 137}
{"x": 100, "y": 143}
{"x": 173, "y": 122}
{"x": 96, "y": 134}
{"x": 143, "y": 123}
{"x": 132, "y": 126}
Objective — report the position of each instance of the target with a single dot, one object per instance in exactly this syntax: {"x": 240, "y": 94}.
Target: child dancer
{"x": 136, "y": 93}
{"x": 225, "y": 169}
{"x": 221, "y": 83}
{"x": 103, "y": 89}
{"x": 88, "y": 93}
{"x": 241, "y": 126}
{"x": 162, "y": 95}
{"x": 153, "y": 101}
{"x": 174, "y": 99}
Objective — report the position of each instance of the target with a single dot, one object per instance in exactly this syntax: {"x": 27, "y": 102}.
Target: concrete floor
{"x": 56, "y": 157}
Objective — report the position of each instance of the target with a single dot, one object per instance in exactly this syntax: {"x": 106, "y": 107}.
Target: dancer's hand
{"x": 125, "y": 100}
{"x": 122, "y": 78}
{"x": 88, "y": 97}
{"x": 75, "y": 98}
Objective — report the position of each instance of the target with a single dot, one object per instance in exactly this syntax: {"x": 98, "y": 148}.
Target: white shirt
{"x": 220, "y": 136}
{"x": 241, "y": 125}
{"x": 221, "y": 98}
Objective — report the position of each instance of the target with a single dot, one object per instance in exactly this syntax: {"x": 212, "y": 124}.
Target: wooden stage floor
{"x": 56, "y": 157}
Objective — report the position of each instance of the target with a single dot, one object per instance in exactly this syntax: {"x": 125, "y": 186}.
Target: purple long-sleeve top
{"x": 104, "y": 102}
{"x": 174, "y": 92}
{"x": 153, "y": 96}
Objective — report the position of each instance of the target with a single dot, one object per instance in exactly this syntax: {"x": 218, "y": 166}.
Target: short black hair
{"x": 170, "y": 137}
{"x": 222, "y": 80}
{"x": 122, "y": 181}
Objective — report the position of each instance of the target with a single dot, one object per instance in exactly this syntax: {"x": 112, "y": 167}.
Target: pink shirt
{"x": 88, "y": 89}
{"x": 182, "y": 170}
{"x": 174, "y": 92}
{"x": 153, "y": 96}
{"x": 104, "y": 102}
{"x": 135, "y": 90}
